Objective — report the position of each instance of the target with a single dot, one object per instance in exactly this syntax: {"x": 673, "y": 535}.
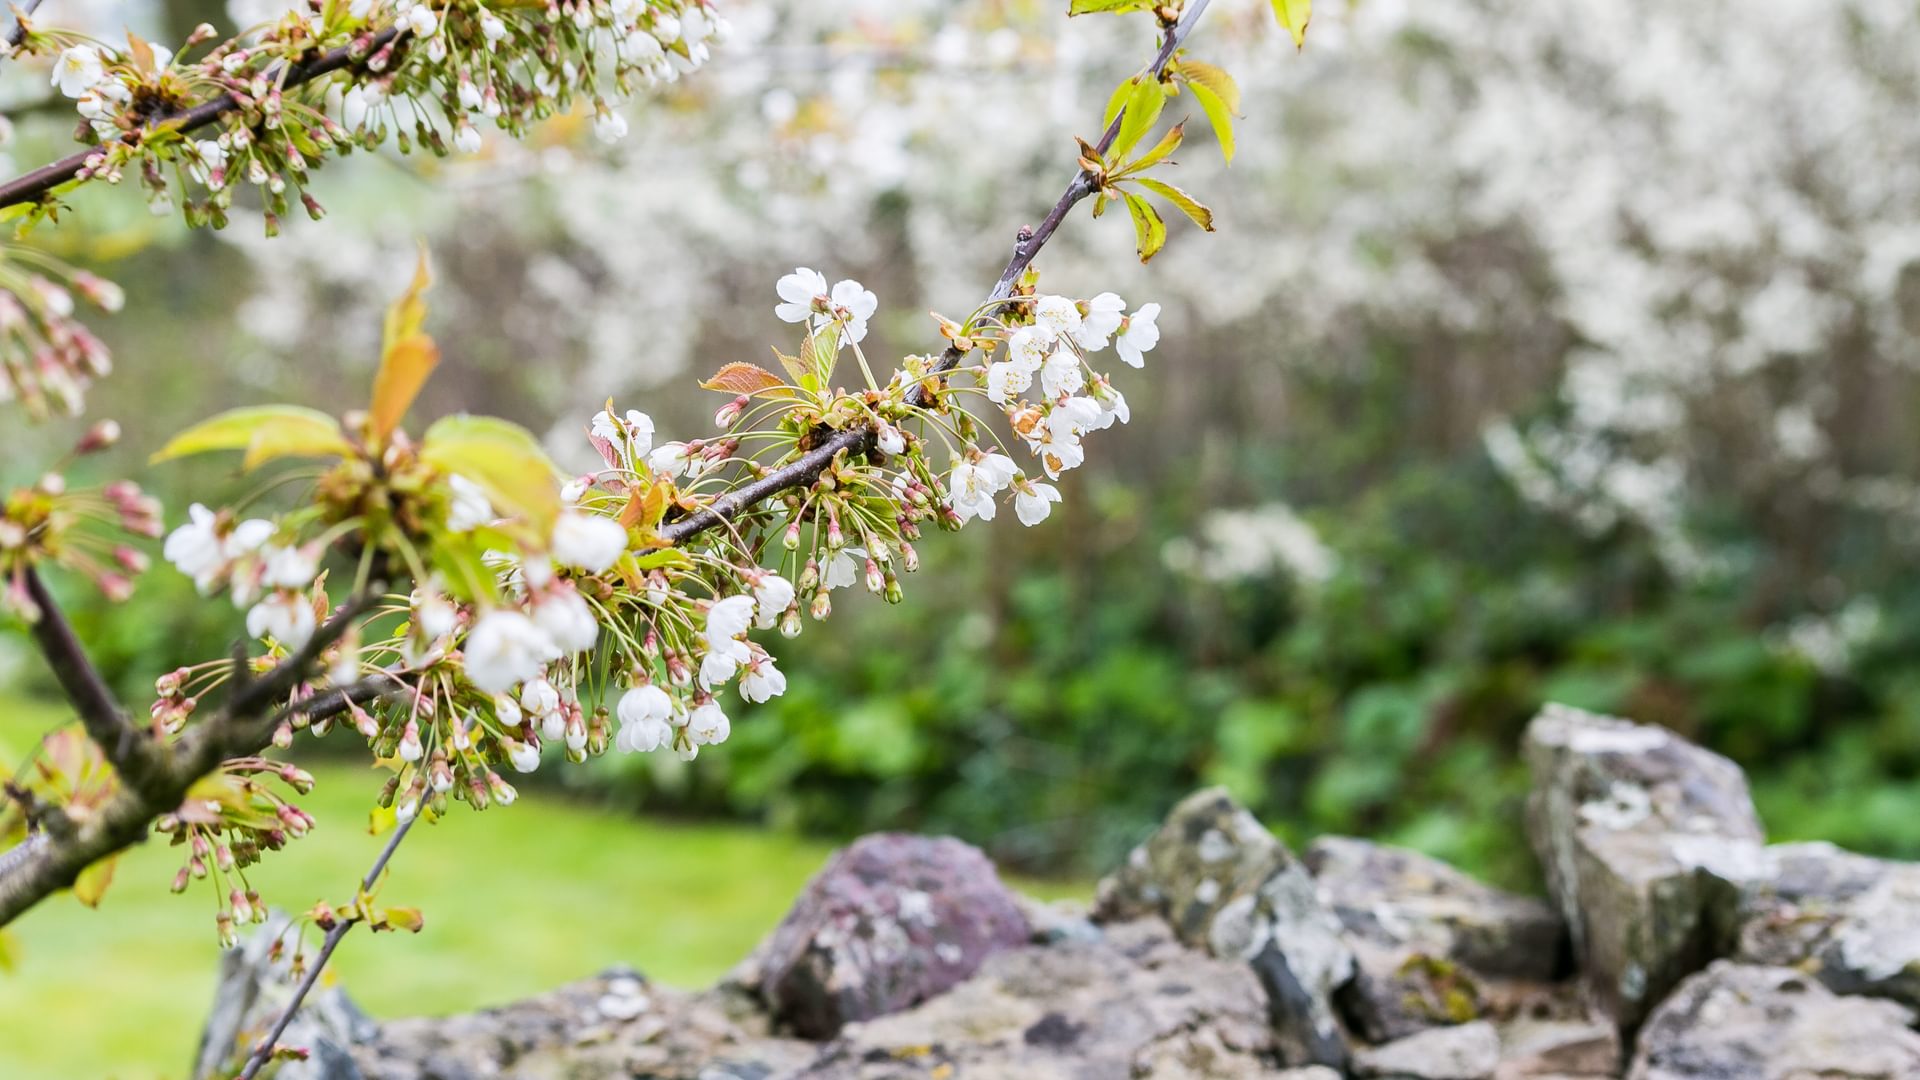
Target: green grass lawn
{"x": 517, "y": 901}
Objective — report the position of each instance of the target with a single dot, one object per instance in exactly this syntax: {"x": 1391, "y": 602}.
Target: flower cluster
{"x": 235, "y": 817}
{"x": 85, "y": 530}
{"x": 419, "y": 73}
{"x": 271, "y": 581}
{"x": 47, "y": 357}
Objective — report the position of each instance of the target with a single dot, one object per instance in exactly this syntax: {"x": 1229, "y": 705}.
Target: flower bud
{"x": 822, "y": 606}
{"x": 98, "y": 437}
{"x": 791, "y": 541}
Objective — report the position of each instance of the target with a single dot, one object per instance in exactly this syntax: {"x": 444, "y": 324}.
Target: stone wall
{"x": 1677, "y": 945}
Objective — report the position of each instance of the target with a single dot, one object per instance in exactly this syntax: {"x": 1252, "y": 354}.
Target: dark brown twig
{"x": 18, "y": 32}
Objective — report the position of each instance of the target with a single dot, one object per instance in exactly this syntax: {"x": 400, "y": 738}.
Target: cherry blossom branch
{"x": 33, "y": 186}
{"x": 19, "y": 31}
{"x": 859, "y": 439}
{"x": 243, "y": 726}
{"x": 263, "y": 1051}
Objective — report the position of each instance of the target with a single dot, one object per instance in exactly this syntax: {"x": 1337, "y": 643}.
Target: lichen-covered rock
{"x": 254, "y": 988}
{"x": 1532, "y": 1049}
{"x": 1223, "y": 882}
{"x": 1427, "y": 937}
{"x": 1133, "y": 1003}
{"x": 1462, "y": 1052}
{"x": 1645, "y": 839}
{"x": 615, "y": 1024}
{"x": 889, "y": 922}
{"x": 1744, "y": 1022}
{"x": 1853, "y": 921}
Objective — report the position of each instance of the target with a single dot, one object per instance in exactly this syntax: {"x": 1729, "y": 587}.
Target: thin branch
{"x": 32, "y": 186}
{"x": 19, "y": 31}
{"x": 263, "y": 1052}
{"x": 130, "y": 750}
{"x": 858, "y": 439}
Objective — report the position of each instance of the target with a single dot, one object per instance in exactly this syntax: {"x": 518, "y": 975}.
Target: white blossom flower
{"x": 540, "y": 698}
{"x": 421, "y": 20}
{"x": 1061, "y": 374}
{"x": 843, "y": 568}
{"x": 433, "y": 615}
{"x": 1027, "y": 349}
{"x": 666, "y": 27}
{"x": 1033, "y": 501}
{"x": 505, "y": 649}
{"x": 645, "y": 714}
{"x": 609, "y": 127}
{"x": 466, "y": 138}
{"x": 1057, "y": 316}
{"x": 525, "y": 756}
{"x": 707, "y": 725}
{"x": 290, "y": 567}
{"x": 468, "y": 509}
{"x": 195, "y": 549}
{"x": 1140, "y": 334}
{"x": 77, "y": 69}
{"x": 889, "y": 439}
{"x": 669, "y": 459}
{"x": 729, "y": 618}
{"x": 205, "y": 158}
{"x": 1103, "y": 317}
{"x": 1113, "y": 404}
{"x": 492, "y": 27}
{"x": 973, "y": 484}
{"x": 1006, "y": 381}
{"x": 507, "y": 711}
{"x": 797, "y": 292}
{"x": 643, "y": 49}
{"x": 858, "y": 303}
{"x": 762, "y": 681}
{"x": 567, "y": 618}
{"x": 587, "y": 541}
{"x": 285, "y": 616}
{"x": 772, "y": 595}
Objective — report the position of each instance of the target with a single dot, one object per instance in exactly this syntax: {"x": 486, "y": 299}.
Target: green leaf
{"x": 464, "y": 569}
{"x": 1095, "y": 7}
{"x": 1115, "y": 102}
{"x": 1144, "y": 103}
{"x": 1294, "y": 16}
{"x": 1219, "y": 115}
{"x": 1148, "y": 229}
{"x": 92, "y": 883}
{"x": 1215, "y": 79}
{"x": 504, "y": 459}
{"x": 1168, "y": 144}
{"x": 1188, "y": 205}
{"x": 265, "y": 432}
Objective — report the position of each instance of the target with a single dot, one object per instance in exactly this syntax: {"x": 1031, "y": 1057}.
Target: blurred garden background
{"x": 1556, "y": 352}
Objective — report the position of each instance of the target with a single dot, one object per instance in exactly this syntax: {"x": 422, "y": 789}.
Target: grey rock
{"x": 1533, "y": 1049}
{"x": 1428, "y": 939}
{"x": 1133, "y": 1003}
{"x": 1223, "y": 882}
{"x": 615, "y": 1024}
{"x": 1853, "y": 921}
{"x": 1744, "y": 1022}
{"x": 1462, "y": 1052}
{"x": 254, "y": 988}
{"x": 889, "y": 922}
{"x": 1646, "y": 841}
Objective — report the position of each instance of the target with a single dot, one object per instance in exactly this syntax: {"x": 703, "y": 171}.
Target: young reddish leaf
{"x": 742, "y": 378}
{"x": 406, "y": 314}
{"x": 1294, "y": 16}
{"x": 1188, "y": 205}
{"x": 403, "y": 371}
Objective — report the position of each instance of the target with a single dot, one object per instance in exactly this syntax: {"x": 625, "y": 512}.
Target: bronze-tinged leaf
{"x": 403, "y": 371}
{"x": 740, "y": 377}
